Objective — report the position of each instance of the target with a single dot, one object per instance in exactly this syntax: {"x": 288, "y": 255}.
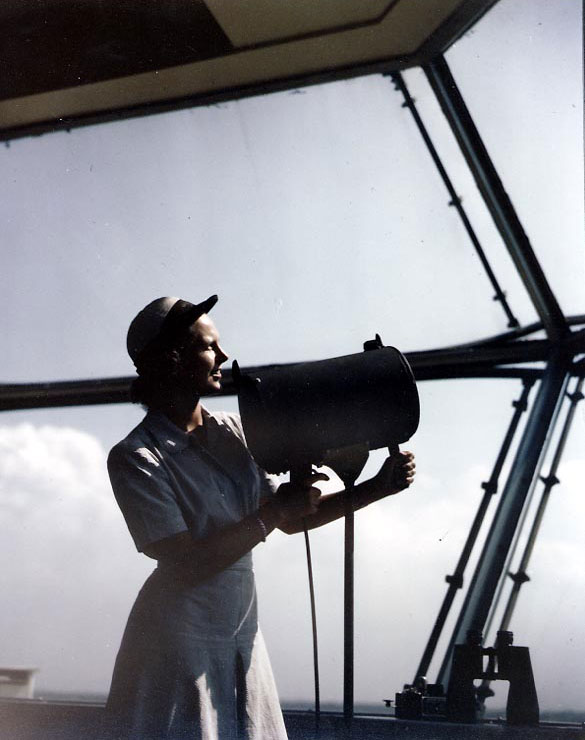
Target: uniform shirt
{"x": 166, "y": 481}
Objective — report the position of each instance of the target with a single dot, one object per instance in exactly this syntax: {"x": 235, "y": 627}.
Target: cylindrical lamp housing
{"x": 293, "y": 414}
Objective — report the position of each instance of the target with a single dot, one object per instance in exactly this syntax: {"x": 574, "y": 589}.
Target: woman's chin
{"x": 214, "y": 385}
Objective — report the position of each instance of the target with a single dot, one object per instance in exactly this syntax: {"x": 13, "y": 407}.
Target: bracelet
{"x": 262, "y": 527}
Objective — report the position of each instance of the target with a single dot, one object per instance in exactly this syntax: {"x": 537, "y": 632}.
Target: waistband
{"x": 243, "y": 564}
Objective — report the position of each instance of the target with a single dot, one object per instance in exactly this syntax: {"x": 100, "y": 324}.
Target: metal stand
{"x": 348, "y": 610}
{"x": 348, "y": 463}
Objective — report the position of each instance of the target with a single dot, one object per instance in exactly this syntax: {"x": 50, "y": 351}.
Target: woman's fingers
{"x": 403, "y": 469}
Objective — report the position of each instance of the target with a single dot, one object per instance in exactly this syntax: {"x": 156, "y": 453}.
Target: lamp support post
{"x": 348, "y": 611}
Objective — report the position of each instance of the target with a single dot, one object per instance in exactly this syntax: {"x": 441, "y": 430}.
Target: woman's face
{"x": 202, "y": 356}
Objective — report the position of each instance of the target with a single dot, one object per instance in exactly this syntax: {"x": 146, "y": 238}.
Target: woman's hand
{"x": 299, "y": 499}
{"x": 396, "y": 474}
{"x": 299, "y": 505}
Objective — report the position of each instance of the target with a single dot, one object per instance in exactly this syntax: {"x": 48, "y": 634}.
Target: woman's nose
{"x": 221, "y": 355}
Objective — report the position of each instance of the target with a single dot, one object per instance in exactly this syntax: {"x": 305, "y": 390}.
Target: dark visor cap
{"x": 161, "y": 323}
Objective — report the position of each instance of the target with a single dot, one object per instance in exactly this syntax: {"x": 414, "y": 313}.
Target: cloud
{"x": 66, "y": 593}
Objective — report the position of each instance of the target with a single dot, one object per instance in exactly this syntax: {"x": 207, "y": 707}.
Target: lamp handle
{"x": 300, "y": 472}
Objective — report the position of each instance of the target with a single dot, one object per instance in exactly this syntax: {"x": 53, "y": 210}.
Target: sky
{"x": 319, "y": 219}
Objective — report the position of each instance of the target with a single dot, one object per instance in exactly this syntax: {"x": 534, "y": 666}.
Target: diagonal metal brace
{"x": 456, "y": 200}
{"x": 496, "y": 198}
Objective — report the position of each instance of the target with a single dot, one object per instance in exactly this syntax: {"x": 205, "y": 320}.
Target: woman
{"x": 192, "y": 663}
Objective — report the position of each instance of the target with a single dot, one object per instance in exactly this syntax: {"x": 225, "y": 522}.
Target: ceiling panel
{"x": 69, "y": 62}
{"x": 261, "y": 21}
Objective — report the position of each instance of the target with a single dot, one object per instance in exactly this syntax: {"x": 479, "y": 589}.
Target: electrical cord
{"x": 314, "y": 625}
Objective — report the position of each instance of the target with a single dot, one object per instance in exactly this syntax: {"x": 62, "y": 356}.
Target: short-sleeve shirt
{"x": 166, "y": 481}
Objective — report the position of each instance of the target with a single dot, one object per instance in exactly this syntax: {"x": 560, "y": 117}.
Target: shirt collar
{"x": 168, "y": 435}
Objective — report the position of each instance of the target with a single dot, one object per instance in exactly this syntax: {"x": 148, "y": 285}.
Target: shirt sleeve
{"x": 144, "y": 494}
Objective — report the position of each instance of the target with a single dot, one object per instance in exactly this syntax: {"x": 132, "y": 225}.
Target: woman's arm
{"x": 197, "y": 560}
{"x": 396, "y": 474}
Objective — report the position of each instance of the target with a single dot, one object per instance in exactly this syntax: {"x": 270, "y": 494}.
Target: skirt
{"x": 193, "y": 664}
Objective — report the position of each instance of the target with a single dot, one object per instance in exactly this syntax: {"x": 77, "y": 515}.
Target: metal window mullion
{"x": 455, "y": 201}
{"x": 549, "y": 481}
{"x": 521, "y": 577}
{"x": 495, "y": 196}
{"x": 491, "y": 563}
{"x": 455, "y": 581}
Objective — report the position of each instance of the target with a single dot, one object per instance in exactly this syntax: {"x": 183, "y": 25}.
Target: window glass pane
{"x": 519, "y": 71}
{"x": 74, "y": 572}
{"x": 320, "y": 220}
